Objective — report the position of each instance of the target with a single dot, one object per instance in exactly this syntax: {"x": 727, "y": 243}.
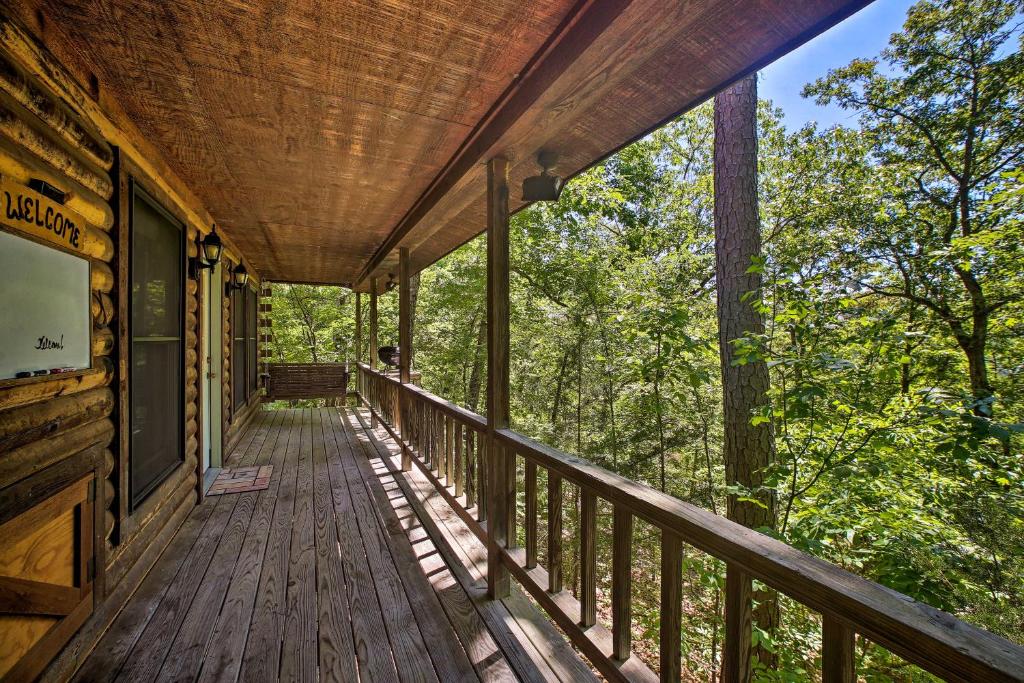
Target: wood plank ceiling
{"x": 323, "y": 135}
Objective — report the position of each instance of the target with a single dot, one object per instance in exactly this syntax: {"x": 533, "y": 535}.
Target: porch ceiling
{"x": 323, "y": 135}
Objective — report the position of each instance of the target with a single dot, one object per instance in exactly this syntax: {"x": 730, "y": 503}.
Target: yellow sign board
{"x": 25, "y": 209}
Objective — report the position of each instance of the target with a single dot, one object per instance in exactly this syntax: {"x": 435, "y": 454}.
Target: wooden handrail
{"x": 934, "y": 640}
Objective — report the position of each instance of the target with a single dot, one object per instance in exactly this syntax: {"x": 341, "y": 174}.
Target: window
{"x": 238, "y": 348}
{"x": 156, "y": 401}
{"x": 251, "y": 332}
{"x": 244, "y": 362}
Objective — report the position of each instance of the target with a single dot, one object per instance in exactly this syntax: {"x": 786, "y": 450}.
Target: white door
{"x": 205, "y": 371}
{"x": 211, "y": 349}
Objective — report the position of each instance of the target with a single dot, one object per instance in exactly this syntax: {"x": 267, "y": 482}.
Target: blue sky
{"x": 862, "y": 35}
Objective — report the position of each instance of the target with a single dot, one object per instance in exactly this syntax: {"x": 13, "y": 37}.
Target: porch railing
{"x": 448, "y": 444}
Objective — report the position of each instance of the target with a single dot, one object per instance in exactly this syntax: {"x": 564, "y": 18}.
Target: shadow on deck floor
{"x": 342, "y": 570}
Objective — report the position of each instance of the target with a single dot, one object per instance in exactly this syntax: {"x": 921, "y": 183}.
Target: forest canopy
{"x": 892, "y": 305}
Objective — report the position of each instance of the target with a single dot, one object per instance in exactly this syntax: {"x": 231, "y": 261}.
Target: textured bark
{"x": 749, "y": 449}
{"x": 414, "y": 293}
{"x": 476, "y": 374}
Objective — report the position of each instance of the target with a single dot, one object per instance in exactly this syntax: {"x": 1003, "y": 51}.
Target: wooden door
{"x": 46, "y": 578}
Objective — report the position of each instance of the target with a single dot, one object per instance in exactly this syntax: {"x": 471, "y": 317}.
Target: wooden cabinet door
{"x": 46, "y": 572}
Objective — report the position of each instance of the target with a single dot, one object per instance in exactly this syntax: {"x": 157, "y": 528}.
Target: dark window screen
{"x": 250, "y": 347}
{"x": 156, "y": 353}
{"x": 238, "y": 348}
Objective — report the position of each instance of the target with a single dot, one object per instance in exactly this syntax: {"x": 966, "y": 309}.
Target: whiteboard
{"x": 44, "y": 308}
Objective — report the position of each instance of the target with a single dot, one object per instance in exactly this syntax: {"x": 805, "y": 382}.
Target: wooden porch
{"x": 342, "y": 570}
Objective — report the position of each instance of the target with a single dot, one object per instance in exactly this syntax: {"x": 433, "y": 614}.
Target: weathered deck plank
{"x": 261, "y": 660}
{"x": 328, "y": 574}
{"x": 299, "y": 650}
{"x": 412, "y": 657}
{"x": 227, "y": 645}
{"x": 337, "y": 652}
{"x": 450, "y": 660}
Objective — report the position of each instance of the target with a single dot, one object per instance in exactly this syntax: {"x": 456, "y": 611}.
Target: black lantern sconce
{"x": 209, "y": 250}
{"x": 239, "y": 277}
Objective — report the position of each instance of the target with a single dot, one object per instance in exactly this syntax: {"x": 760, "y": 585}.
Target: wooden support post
{"x": 736, "y": 645}
{"x": 501, "y": 464}
{"x": 588, "y": 558}
{"x": 405, "y": 348}
{"x": 373, "y": 338}
{"x": 622, "y": 583}
{"x": 359, "y": 344}
{"x": 359, "y": 327}
{"x": 671, "y": 606}
{"x": 373, "y": 323}
{"x": 837, "y": 641}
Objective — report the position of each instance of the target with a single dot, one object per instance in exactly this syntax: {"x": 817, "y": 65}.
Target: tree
{"x": 749, "y": 448}
{"x": 944, "y": 121}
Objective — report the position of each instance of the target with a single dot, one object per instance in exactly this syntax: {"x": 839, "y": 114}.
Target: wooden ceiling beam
{"x": 580, "y": 28}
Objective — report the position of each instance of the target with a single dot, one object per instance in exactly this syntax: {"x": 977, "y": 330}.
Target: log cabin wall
{"x": 236, "y": 420}
{"x": 58, "y": 127}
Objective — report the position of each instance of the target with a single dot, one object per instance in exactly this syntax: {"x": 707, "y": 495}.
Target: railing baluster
{"x": 449, "y": 447}
{"x": 435, "y": 451}
{"x": 426, "y": 421}
{"x": 554, "y": 532}
{"x": 437, "y": 429}
{"x": 483, "y": 467}
{"x": 588, "y": 558}
{"x": 441, "y": 429}
{"x": 459, "y": 481}
{"x": 736, "y": 648}
{"x": 511, "y": 503}
{"x": 531, "y": 514}
{"x": 402, "y": 409}
{"x": 837, "y": 641}
{"x": 470, "y": 468}
{"x": 421, "y": 440}
{"x": 671, "y": 606}
{"x": 622, "y": 583}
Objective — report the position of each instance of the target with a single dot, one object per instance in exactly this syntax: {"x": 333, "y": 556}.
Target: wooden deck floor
{"x": 342, "y": 570}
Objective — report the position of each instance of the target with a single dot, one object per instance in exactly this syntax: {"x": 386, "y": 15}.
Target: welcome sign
{"x": 27, "y": 210}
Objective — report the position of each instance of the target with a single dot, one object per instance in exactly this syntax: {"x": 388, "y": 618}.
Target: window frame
{"x": 136, "y": 189}
{"x": 252, "y": 375}
{"x": 239, "y": 399}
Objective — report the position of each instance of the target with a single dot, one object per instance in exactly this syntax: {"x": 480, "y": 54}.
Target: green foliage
{"x": 892, "y": 299}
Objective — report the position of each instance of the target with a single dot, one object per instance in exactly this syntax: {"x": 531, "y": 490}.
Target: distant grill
{"x": 389, "y": 355}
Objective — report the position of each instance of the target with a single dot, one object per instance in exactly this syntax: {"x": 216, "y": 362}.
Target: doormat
{"x": 241, "y": 480}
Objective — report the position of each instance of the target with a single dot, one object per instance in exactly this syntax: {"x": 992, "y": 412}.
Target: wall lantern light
{"x": 239, "y": 277}
{"x": 209, "y": 251}
{"x": 545, "y": 187}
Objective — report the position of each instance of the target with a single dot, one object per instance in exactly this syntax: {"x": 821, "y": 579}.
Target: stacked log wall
{"x": 56, "y": 125}
{"x": 236, "y": 420}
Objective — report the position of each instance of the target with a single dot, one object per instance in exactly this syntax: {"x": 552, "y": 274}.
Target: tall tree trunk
{"x": 658, "y": 415}
{"x": 908, "y": 349}
{"x": 475, "y": 376}
{"x": 579, "y": 396}
{"x": 414, "y": 291}
{"x": 556, "y": 404}
{"x": 749, "y": 449}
